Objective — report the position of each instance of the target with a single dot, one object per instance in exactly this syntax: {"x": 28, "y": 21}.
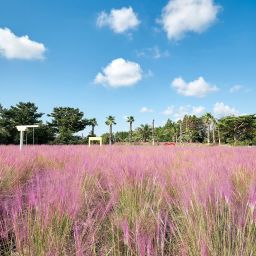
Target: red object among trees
{"x": 170, "y": 144}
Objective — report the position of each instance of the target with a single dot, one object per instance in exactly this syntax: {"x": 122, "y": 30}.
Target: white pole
{"x": 33, "y": 135}
{"x": 153, "y": 132}
{"x": 21, "y": 139}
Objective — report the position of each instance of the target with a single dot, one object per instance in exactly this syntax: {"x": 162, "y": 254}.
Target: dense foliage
{"x": 66, "y": 122}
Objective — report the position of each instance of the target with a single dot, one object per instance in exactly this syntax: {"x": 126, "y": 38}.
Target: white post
{"x": 95, "y": 139}
{"x": 21, "y": 139}
{"x": 22, "y": 129}
{"x": 33, "y": 136}
{"x": 153, "y": 132}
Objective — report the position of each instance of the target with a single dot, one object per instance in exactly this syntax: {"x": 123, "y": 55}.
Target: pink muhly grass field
{"x": 127, "y": 200}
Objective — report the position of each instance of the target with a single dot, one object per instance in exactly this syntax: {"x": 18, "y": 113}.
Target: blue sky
{"x": 150, "y": 59}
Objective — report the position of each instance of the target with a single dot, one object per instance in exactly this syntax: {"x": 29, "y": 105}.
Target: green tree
{"x": 208, "y": 121}
{"x": 23, "y": 113}
{"x": 110, "y": 122}
{"x": 217, "y": 125}
{"x": 196, "y": 129}
{"x": 66, "y": 121}
{"x": 186, "y": 127}
{"x": 214, "y": 125}
{"x": 121, "y": 136}
{"x": 92, "y": 122}
{"x": 180, "y": 130}
{"x": 4, "y": 134}
{"x": 130, "y": 120}
{"x": 145, "y": 132}
{"x": 105, "y": 138}
{"x": 168, "y": 132}
{"x": 239, "y": 129}
{"x": 44, "y": 134}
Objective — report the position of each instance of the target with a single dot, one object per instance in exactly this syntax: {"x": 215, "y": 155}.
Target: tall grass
{"x": 75, "y": 200}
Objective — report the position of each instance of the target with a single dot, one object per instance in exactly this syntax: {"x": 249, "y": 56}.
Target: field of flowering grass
{"x": 120, "y": 200}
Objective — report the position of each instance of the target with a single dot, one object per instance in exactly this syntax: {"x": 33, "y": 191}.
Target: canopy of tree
{"x": 66, "y": 122}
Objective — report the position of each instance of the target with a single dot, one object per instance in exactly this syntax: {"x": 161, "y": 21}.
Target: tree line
{"x": 66, "y": 122}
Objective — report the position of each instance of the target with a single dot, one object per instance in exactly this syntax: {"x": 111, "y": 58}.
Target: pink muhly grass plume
{"x": 204, "y": 250}
{"x": 127, "y": 200}
{"x": 125, "y": 228}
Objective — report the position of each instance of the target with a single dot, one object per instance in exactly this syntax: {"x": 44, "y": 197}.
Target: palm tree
{"x": 130, "y": 120}
{"x": 218, "y": 124}
{"x": 214, "y": 124}
{"x": 110, "y": 122}
{"x": 145, "y": 132}
{"x": 208, "y": 120}
{"x": 175, "y": 130}
{"x": 180, "y": 130}
{"x": 92, "y": 122}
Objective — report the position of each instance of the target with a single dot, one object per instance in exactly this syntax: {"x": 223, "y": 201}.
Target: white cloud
{"x": 182, "y": 16}
{"x": 14, "y": 47}
{"x": 119, "y": 20}
{"x": 196, "y": 88}
{"x": 146, "y": 110}
{"x": 148, "y": 74}
{"x": 198, "y": 111}
{"x": 236, "y": 88}
{"x": 221, "y": 110}
{"x": 178, "y": 113}
{"x": 168, "y": 111}
{"x": 120, "y": 73}
{"x": 153, "y": 52}
{"x": 181, "y": 112}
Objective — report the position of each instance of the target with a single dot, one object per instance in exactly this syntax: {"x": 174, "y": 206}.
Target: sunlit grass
{"x": 74, "y": 200}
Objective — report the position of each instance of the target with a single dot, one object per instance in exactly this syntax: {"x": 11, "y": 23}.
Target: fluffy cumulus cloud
{"x": 119, "y": 20}
{"x": 221, "y": 110}
{"x": 15, "y": 47}
{"x": 182, "y": 16}
{"x": 146, "y": 110}
{"x": 196, "y": 88}
{"x": 178, "y": 113}
{"x": 120, "y": 73}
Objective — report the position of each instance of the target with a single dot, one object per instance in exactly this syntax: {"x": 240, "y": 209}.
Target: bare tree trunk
{"x": 234, "y": 139}
{"x": 213, "y": 134}
{"x": 110, "y": 135}
{"x": 208, "y": 134}
{"x": 33, "y": 135}
{"x": 219, "y": 135}
{"x": 153, "y": 132}
{"x": 130, "y": 135}
{"x": 180, "y": 132}
{"x": 234, "y": 136}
